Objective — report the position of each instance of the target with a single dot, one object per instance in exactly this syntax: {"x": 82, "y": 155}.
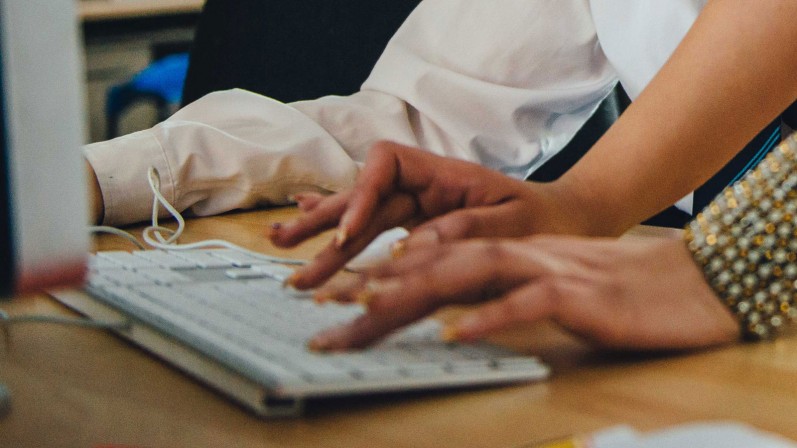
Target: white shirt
{"x": 506, "y": 84}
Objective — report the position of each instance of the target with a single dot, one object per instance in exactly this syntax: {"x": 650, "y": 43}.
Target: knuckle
{"x": 459, "y": 225}
{"x": 551, "y": 291}
{"x": 510, "y": 310}
{"x": 494, "y": 254}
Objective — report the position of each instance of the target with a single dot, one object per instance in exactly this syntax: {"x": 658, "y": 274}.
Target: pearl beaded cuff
{"x": 746, "y": 243}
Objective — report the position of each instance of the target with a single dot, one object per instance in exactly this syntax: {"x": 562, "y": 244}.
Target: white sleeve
{"x": 506, "y": 87}
{"x": 236, "y": 149}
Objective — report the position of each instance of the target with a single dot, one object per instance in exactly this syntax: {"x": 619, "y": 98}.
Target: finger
{"x": 351, "y": 289}
{"x": 308, "y": 201}
{"x": 439, "y": 184}
{"x": 366, "y": 329}
{"x": 379, "y": 321}
{"x": 531, "y": 303}
{"x": 323, "y": 216}
{"x": 460, "y": 275}
{"x": 502, "y": 220}
{"x": 333, "y": 257}
{"x": 340, "y": 289}
{"x": 375, "y": 182}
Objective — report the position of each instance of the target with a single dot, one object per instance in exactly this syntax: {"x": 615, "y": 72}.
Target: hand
{"x": 451, "y": 199}
{"x": 630, "y": 294}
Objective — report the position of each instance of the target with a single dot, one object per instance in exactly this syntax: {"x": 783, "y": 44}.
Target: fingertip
{"x": 307, "y": 202}
{"x": 322, "y": 297}
{"x": 329, "y": 340}
{"x": 344, "y": 229}
{"x": 272, "y": 231}
{"x": 449, "y": 333}
{"x": 293, "y": 281}
{"x": 319, "y": 344}
{"x": 468, "y": 328}
{"x": 341, "y": 236}
{"x": 280, "y": 233}
{"x": 398, "y": 249}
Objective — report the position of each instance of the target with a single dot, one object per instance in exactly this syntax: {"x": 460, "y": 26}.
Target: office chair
{"x": 293, "y": 50}
{"x": 160, "y": 82}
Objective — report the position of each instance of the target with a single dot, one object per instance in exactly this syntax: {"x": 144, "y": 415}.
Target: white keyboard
{"x": 230, "y": 307}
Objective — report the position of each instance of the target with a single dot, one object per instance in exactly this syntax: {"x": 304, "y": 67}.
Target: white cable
{"x": 153, "y": 235}
{"x": 6, "y": 321}
{"x": 118, "y": 232}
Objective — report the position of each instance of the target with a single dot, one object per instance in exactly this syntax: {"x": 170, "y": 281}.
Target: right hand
{"x": 637, "y": 294}
{"x": 443, "y": 199}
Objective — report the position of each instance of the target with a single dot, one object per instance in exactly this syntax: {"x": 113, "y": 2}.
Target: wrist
{"x": 588, "y": 211}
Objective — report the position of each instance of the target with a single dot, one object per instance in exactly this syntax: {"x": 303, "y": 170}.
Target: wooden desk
{"x": 81, "y": 388}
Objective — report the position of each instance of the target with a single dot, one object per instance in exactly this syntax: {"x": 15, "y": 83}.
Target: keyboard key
{"x": 204, "y": 259}
{"x": 165, "y": 259}
{"x": 245, "y": 273}
{"x": 124, "y": 259}
{"x": 276, "y": 271}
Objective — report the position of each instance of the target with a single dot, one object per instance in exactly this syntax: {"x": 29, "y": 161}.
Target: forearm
{"x": 731, "y": 75}
{"x": 229, "y": 150}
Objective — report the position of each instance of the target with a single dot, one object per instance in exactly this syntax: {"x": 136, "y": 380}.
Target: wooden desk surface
{"x": 73, "y": 387}
{"x": 97, "y": 10}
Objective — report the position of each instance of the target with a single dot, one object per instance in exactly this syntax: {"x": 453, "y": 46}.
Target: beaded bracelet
{"x": 746, "y": 243}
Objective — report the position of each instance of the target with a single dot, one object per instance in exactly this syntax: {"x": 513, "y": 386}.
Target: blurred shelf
{"x": 103, "y": 10}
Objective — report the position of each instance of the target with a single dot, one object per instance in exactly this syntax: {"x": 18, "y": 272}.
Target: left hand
{"x": 447, "y": 199}
{"x": 630, "y": 294}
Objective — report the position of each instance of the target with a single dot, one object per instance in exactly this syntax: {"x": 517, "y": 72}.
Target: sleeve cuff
{"x": 121, "y": 166}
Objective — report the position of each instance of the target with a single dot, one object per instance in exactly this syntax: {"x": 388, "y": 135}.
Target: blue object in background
{"x": 161, "y": 82}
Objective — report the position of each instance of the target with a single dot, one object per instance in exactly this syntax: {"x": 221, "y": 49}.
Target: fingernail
{"x": 343, "y": 230}
{"x": 299, "y": 197}
{"x": 374, "y": 288}
{"x": 318, "y": 343}
{"x": 322, "y": 297}
{"x": 449, "y": 333}
{"x": 273, "y": 229}
{"x": 399, "y": 248}
{"x": 292, "y": 198}
{"x": 341, "y": 236}
{"x": 367, "y": 293}
{"x": 325, "y": 341}
{"x": 292, "y": 280}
